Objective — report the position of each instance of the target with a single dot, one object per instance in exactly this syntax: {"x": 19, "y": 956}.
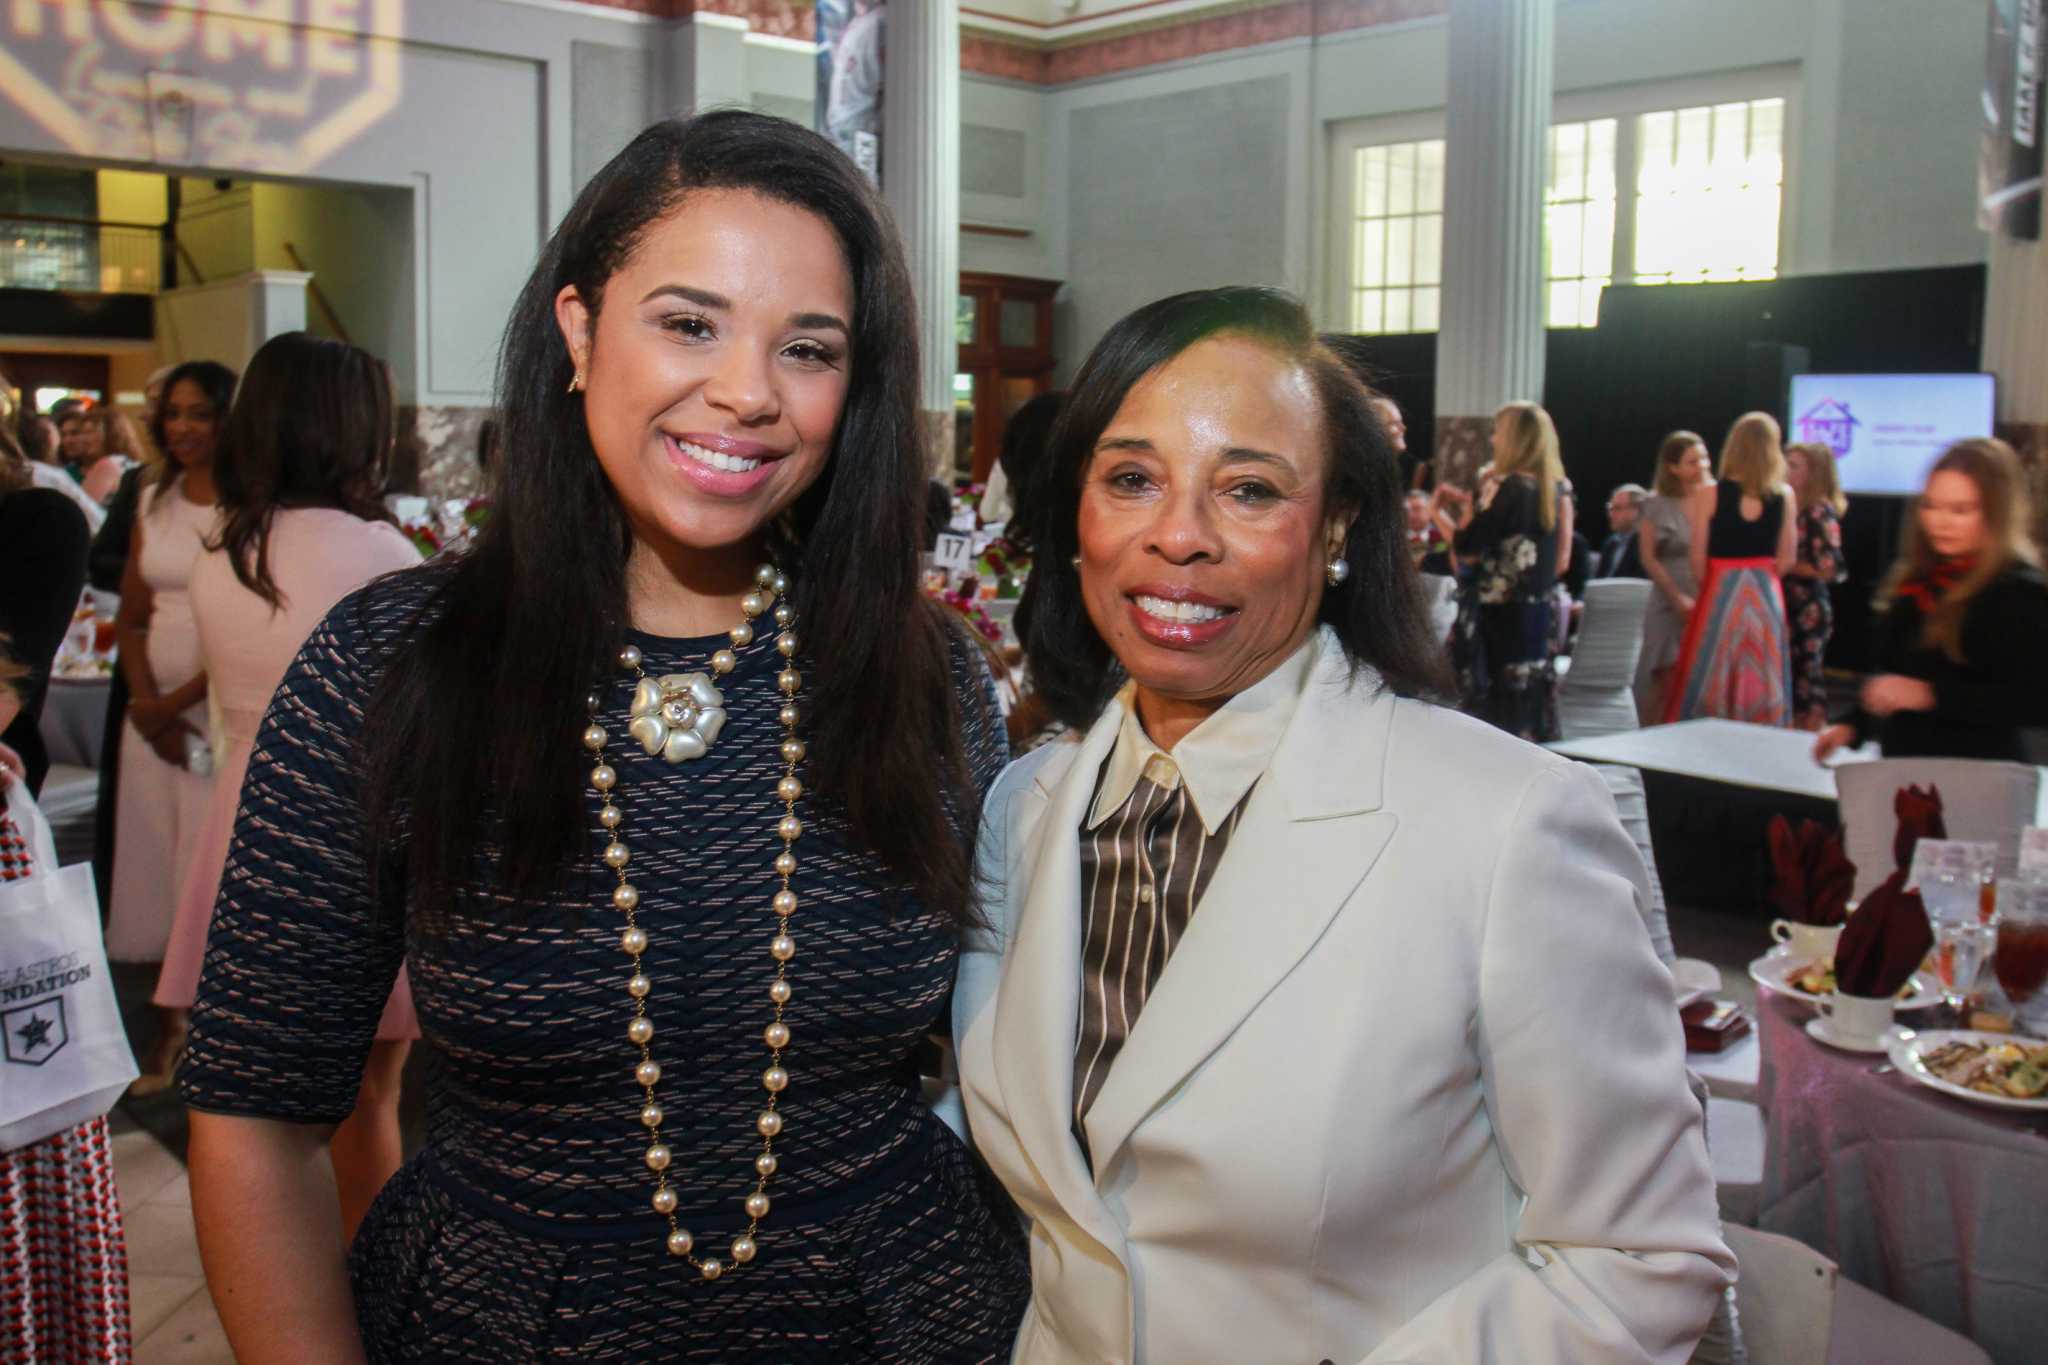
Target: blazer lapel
{"x": 1038, "y": 1007}
{"x": 1310, "y": 836}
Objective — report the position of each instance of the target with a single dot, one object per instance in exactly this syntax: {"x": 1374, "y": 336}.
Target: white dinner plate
{"x": 1906, "y": 1047}
{"x": 1774, "y": 970}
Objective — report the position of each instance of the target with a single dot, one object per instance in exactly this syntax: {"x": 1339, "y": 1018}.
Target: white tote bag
{"x": 66, "y": 1057}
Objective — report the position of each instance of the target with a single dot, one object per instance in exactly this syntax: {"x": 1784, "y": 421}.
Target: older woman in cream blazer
{"x": 1313, "y": 1022}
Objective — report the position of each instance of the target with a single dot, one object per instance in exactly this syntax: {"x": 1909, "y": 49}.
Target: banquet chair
{"x": 1981, "y": 800}
{"x": 1796, "y": 1309}
{"x": 1597, "y": 696}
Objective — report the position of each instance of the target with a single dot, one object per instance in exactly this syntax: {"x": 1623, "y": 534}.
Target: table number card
{"x": 954, "y": 553}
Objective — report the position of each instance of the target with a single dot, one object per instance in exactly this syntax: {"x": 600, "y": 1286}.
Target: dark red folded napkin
{"x": 1919, "y": 816}
{"x": 1813, "y": 878}
{"x": 1884, "y": 942}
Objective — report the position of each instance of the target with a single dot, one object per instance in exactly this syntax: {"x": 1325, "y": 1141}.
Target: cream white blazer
{"x": 1411, "y": 1089}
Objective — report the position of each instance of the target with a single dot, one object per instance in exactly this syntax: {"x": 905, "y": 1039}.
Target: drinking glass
{"x": 1957, "y": 880}
{"x": 2022, "y": 957}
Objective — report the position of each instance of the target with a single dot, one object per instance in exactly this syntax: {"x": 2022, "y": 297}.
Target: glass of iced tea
{"x": 2021, "y": 960}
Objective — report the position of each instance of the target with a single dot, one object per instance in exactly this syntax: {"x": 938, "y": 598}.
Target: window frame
{"x": 1622, "y": 103}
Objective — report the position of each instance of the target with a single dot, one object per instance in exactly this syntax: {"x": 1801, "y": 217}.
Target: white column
{"x": 1490, "y": 342}
{"x": 2016, "y": 350}
{"x": 921, "y": 184}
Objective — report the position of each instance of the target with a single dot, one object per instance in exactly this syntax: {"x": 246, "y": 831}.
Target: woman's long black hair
{"x": 217, "y": 382}
{"x": 528, "y": 617}
{"x": 311, "y": 427}
{"x": 1378, "y": 614}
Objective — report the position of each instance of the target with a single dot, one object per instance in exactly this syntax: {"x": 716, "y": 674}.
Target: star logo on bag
{"x": 35, "y": 1033}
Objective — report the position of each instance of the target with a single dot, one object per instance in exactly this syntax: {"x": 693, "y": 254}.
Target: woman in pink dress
{"x": 165, "y": 760}
{"x": 300, "y": 469}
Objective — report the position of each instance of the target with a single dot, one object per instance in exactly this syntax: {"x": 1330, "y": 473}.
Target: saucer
{"x": 1822, "y": 1030}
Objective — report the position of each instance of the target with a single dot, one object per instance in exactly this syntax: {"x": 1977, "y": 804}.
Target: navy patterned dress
{"x": 1501, "y": 642}
{"x": 522, "y": 1229}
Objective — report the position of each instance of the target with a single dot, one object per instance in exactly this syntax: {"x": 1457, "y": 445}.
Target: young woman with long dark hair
{"x": 164, "y": 783}
{"x": 662, "y": 795}
{"x": 300, "y": 473}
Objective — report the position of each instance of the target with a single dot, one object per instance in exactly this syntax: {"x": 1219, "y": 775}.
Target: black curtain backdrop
{"x": 1701, "y": 355}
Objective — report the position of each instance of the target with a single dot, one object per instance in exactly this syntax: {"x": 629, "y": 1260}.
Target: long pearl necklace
{"x": 633, "y": 942}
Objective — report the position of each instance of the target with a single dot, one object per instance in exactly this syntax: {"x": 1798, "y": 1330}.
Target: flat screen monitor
{"x": 1886, "y": 429}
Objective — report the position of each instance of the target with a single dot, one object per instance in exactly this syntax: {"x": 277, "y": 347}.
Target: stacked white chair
{"x": 1597, "y": 695}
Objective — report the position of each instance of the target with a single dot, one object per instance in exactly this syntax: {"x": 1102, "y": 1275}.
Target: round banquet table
{"x": 1929, "y": 1200}
{"x": 75, "y": 719}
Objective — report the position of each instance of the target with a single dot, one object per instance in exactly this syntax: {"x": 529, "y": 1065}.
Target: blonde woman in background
{"x": 1501, "y": 642}
{"x": 1734, "y": 662}
{"x": 1664, "y": 536}
{"x": 1809, "y": 611}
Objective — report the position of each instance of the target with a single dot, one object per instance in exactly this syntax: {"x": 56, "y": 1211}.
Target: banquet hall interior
{"x": 1814, "y": 223}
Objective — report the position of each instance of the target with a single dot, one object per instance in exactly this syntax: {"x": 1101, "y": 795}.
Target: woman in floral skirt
{"x": 1810, "y": 612}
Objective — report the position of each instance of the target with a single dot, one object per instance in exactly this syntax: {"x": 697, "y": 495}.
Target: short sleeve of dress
{"x": 299, "y": 962}
{"x": 984, "y": 739}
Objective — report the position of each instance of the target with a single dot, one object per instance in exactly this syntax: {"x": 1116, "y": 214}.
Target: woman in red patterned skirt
{"x": 63, "y": 1260}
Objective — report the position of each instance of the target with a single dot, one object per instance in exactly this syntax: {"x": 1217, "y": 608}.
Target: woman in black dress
{"x": 1501, "y": 643}
{"x": 1960, "y": 656}
{"x": 660, "y": 794}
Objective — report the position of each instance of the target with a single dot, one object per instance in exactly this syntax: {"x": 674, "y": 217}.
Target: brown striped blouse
{"x": 1155, "y": 833}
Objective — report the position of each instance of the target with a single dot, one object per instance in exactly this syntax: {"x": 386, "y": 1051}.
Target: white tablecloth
{"x": 1726, "y": 751}
{"x": 1933, "y": 1202}
{"x": 75, "y": 720}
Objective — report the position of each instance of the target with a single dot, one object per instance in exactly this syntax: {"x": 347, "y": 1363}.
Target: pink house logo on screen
{"x": 1829, "y": 423}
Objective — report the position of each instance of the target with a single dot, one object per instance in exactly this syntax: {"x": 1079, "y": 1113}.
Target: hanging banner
{"x": 2009, "y": 163}
{"x": 261, "y": 85}
{"x": 850, "y": 79}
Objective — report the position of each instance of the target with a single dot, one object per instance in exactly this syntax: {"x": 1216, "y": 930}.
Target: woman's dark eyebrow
{"x": 703, "y": 298}
{"x": 813, "y": 322}
{"x": 1247, "y": 455}
{"x": 1133, "y": 443}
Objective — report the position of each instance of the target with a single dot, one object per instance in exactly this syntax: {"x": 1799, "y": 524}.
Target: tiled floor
{"x": 174, "y": 1321}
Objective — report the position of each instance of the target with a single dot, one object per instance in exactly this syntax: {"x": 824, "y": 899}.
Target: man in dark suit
{"x": 1622, "y": 555}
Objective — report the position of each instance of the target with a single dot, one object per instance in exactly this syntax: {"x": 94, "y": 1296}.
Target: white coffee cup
{"x": 1857, "y": 1017}
{"x": 1809, "y": 941}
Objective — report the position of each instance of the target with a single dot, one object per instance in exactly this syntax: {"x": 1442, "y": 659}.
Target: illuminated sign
{"x": 263, "y": 85}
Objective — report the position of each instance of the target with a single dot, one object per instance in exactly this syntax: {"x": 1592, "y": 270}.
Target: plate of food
{"x": 1807, "y": 979}
{"x": 2003, "y": 1070}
